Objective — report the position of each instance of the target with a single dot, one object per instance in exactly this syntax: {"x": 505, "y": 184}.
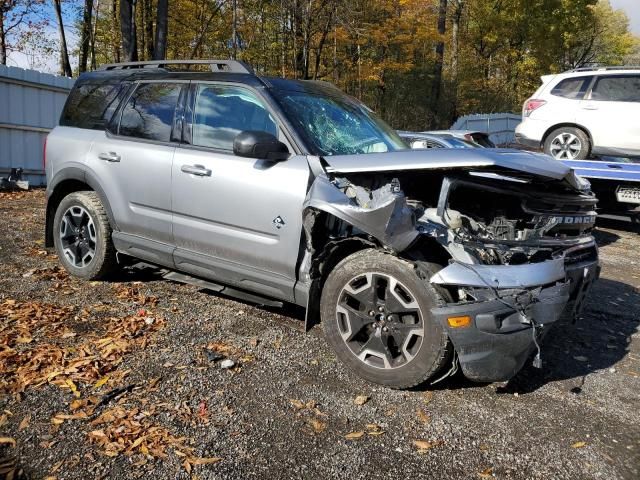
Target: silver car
{"x": 416, "y": 262}
{"x": 435, "y": 140}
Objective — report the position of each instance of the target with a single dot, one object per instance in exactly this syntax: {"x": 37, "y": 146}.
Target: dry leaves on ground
{"x": 34, "y": 347}
{"x": 132, "y": 432}
{"x": 133, "y": 294}
{"x": 361, "y": 400}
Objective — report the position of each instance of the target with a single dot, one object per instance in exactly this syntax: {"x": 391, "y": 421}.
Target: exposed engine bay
{"x": 515, "y": 246}
{"x": 485, "y": 217}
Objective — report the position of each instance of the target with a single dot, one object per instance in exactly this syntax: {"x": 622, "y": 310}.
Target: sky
{"x": 632, "y": 9}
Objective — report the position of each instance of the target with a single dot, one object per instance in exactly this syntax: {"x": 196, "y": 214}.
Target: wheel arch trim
{"x": 55, "y": 189}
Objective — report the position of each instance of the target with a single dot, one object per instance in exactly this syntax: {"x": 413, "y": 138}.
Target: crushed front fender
{"x": 389, "y": 219}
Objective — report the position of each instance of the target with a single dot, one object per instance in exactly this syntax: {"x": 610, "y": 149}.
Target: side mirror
{"x": 260, "y": 145}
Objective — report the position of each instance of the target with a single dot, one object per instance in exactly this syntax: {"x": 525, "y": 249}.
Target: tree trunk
{"x": 85, "y": 35}
{"x": 437, "y": 74}
{"x": 114, "y": 20}
{"x": 94, "y": 31}
{"x": 128, "y": 30}
{"x": 455, "y": 29}
{"x": 3, "y": 41}
{"x": 160, "y": 48}
{"x": 234, "y": 29}
{"x": 65, "y": 66}
{"x": 148, "y": 27}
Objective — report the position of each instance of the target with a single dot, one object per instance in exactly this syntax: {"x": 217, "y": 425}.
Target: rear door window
{"x": 223, "y": 111}
{"x": 150, "y": 111}
{"x": 572, "y": 88}
{"x": 617, "y": 88}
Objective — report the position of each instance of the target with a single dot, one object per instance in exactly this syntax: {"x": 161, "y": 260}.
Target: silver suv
{"x": 416, "y": 262}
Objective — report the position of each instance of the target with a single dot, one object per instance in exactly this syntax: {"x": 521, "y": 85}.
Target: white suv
{"x": 587, "y": 111}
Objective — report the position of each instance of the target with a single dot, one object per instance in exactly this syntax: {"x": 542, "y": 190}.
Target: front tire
{"x": 567, "y": 143}
{"x": 82, "y": 236}
{"x": 376, "y": 315}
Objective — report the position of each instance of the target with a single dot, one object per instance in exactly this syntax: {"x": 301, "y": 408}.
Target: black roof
{"x": 132, "y": 75}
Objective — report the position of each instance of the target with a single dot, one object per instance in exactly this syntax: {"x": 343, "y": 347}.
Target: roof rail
{"x": 229, "y": 66}
{"x": 609, "y": 67}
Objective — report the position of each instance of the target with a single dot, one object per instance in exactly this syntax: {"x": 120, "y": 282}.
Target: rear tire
{"x": 567, "y": 143}
{"x": 371, "y": 291}
{"x": 82, "y": 236}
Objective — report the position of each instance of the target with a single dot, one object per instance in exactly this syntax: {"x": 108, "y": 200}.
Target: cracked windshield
{"x": 339, "y": 126}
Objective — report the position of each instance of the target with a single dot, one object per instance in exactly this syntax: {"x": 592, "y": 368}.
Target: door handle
{"x": 109, "y": 157}
{"x": 198, "y": 170}
{"x": 614, "y": 166}
{"x": 590, "y": 107}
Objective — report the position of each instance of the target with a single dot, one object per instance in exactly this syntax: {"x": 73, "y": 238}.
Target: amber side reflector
{"x": 457, "y": 322}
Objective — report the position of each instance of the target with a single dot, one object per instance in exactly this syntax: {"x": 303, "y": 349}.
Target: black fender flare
{"x": 54, "y": 196}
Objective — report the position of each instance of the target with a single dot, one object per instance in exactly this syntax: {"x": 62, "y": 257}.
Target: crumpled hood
{"x": 444, "y": 158}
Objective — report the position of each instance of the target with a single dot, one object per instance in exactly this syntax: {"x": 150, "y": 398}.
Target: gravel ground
{"x": 285, "y": 408}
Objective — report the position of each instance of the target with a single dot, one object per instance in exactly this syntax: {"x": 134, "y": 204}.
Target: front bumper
{"x": 500, "y": 338}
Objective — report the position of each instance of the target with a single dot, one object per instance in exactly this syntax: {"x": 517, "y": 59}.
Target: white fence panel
{"x": 500, "y": 126}
{"x": 30, "y": 106}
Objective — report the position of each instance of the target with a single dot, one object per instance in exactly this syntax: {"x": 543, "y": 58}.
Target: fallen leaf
{"x": 373, "y": 429}
{"x": 423, "y": 416}
{"x": 579, "y": 445}
{"x": 9, "y": 440}
{"x": 101, "y": 382}
{"x": 424, "y": 445}
{"x": 25, "y": 422}
{"x": 297, "y": 403}
{"x": 486, "y": 473}
{"x": 204, "y": 461}
{"x": 361, "y": 400}
{"x": 57, "y": 466}
{"x": 72, "y": 386}
{"x": 354, "y": 435}
{"x": 317, "y": 425}
{"x": 427, "y": 396}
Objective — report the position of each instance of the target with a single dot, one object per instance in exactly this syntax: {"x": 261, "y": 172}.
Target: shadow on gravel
{"x": 618, "y": 223}
{"x": 605, "y": 238}
{"x": 597, "y": 341}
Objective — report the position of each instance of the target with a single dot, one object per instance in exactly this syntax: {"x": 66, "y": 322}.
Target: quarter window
{"x": 90, "y": 106}
{"x": 617, "y": 88}
{"x": 223, "y": 111}
{"x": 149, "y": 112}
{"x": 572, "y": 88}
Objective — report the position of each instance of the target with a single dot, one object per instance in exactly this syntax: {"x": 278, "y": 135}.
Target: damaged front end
{"x": 514, "y": 240}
